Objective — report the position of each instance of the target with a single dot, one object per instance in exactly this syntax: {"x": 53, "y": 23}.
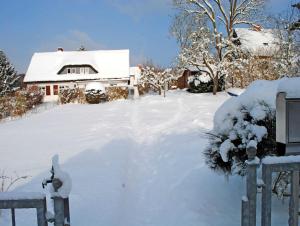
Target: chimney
{"x": 60, "y": 49}
{"x": 256, "y": 27}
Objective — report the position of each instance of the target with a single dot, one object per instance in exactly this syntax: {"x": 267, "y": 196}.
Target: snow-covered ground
{"x": 133, "y": 163}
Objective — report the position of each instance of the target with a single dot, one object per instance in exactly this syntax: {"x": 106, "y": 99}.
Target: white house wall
{"x": 78, "y": 84}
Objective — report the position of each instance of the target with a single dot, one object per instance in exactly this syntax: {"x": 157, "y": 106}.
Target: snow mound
{"x": 235, "y": 91}
{"x": 21, "y": 195}
{"x": 290, "y": 86}
{"x": 96, "y": 86}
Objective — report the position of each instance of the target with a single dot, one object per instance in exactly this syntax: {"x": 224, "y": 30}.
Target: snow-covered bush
{"x": 116, "y": 93}
{"x": 74, "y": 95}
{"x": 34, "y": 96}
{"x": 204, "y": 84}
{"x": 95, "y": 93}
{"x": 243, "y": 121}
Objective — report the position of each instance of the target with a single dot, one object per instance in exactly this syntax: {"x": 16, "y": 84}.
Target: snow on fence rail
{"x": 11, "y": 200}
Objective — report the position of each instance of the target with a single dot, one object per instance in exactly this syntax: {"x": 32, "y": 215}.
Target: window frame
{"x": 48, "y": 90}
{"x": 55, "y": 90}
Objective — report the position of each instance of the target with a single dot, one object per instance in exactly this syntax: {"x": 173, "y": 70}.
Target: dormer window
{"x": 78, "y": 69}
{"x": 82, "y": 70}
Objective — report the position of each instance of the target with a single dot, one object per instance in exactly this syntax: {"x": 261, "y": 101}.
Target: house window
{"x": 55, "y": 89}
{"x": 69, "y": 70}
{"x": 82, "y": 70}
{"x": 73, "y": 70}
{"x": 86, "y": 70}
{"x": 48, "y": 91}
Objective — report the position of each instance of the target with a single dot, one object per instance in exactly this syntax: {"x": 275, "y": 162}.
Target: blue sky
{"x": 29, "y": 26}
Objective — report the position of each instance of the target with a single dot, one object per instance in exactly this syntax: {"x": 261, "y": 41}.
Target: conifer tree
{"x": 8, "y": 75}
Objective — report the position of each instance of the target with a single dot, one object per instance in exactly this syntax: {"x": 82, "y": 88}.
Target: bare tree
{"x": 7, "y": 182}
{"x": 210, "y": 46}
{"x": 158, "y": 78}
{"x": 287, "y": 57}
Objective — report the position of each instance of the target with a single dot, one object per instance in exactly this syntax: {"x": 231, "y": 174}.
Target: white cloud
{"x": 72, "y": 40}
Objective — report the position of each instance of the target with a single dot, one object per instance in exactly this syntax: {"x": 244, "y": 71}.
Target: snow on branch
{"x": 158, "y": 78}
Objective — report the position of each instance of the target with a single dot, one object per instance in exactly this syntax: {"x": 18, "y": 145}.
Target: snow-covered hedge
{"x": 243, "y": 121}
{"x": 69, "y": 95}
{"x": 204, "y": 84}
{"x": 19, "y": 102}
{"x": 116, "y": 93}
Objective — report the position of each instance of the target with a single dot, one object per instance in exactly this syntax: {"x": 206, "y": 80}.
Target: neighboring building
{"x": 260, "y": 47}
{"x": 55, "y": 71}
{"x": 261, "y": 43}
{"x": 188, "y": 75}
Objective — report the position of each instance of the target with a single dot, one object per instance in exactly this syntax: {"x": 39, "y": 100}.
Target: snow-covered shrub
{"x": 243, "y": 121}
{"x": 204, "y": 84}
{"x": 116, "y": 93}
{"x": 74, "y": 95}
{"x": 95, "y": 93}
{"x": 34, "y": 96}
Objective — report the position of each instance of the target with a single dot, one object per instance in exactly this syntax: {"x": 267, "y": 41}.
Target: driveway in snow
{"x": 133, "y": 163}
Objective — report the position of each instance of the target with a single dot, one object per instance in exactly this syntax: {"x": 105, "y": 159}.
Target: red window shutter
{"x": 48, "y": 92}
{"x": 55, "y": 89}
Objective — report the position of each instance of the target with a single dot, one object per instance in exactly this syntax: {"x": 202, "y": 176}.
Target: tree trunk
{"x": 216, "y": 84}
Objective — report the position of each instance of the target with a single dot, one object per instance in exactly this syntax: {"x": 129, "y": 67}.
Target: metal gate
{"x": 270, "y": 165}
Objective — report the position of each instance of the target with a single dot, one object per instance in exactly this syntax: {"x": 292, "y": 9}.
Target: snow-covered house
{"x": 261, "y": 43}
{"x": 55, "y": 71}
{"x": 190, "y": 73}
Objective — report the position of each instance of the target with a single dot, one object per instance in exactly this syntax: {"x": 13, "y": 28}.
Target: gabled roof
{"x": 108, "y": 63}
{"x": 260, "y": 43}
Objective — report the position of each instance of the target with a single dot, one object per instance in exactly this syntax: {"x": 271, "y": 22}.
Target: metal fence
{"x": 270, "y": 165}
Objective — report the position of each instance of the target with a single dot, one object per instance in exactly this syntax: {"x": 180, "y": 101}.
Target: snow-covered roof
{"x": 261, "y": 43}
{"x": 108, "y": 63}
